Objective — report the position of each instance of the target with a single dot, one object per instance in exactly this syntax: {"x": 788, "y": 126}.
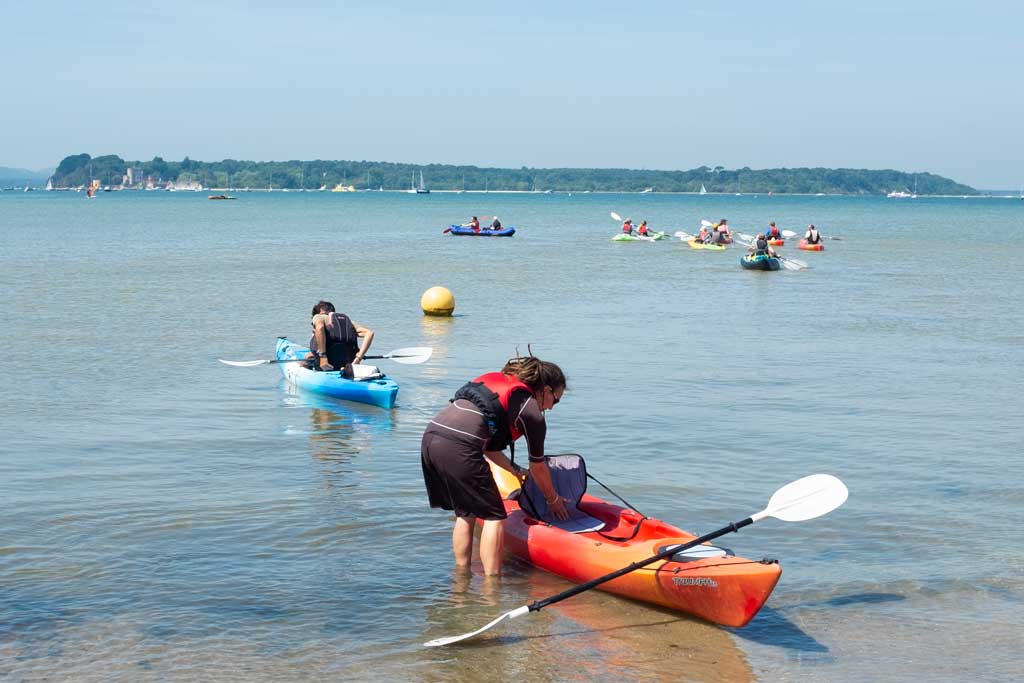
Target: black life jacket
{"x": 815, "y": 238}
{"x": 496, "y": 225}
{"x": 342, "y": 340}
{"x": 760, "y": 247}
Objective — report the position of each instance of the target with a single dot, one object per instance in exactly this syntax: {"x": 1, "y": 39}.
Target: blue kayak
{"x": 762, "y": 262}
{"x": 484, "y": 232}
{"x": 378, "y": 390}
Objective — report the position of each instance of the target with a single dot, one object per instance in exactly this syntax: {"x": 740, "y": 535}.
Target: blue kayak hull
{"x": 378, "y": 392}
{"x": 484, "y": 232}
{"x": 760, "y": 263}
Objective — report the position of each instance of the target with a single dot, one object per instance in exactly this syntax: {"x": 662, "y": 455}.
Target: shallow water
{"x": 167, "y": 517}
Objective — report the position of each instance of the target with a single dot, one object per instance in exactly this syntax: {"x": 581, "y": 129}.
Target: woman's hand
{"x": 557, "y": 508}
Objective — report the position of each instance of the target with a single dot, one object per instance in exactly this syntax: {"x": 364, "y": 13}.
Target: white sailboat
{"x": 422, "y": 188}
{"x": 703, "y": 190}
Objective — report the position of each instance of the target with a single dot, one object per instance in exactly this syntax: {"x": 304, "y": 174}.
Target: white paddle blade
{"x": 789, "y": 265}
{"x": 806, "y": 498}
{"x": 802, "y": 264}
{"x": 244, "y": 363}
{"x": 788, "y": 234}
{"x": 412, "y": 355}
{"x": 706, "y": 223}
{"x": 615, "y": 216}
{"x": 684, "y": 236}
{"x": 448, "y": 640}
{"x": 745, "y": 236}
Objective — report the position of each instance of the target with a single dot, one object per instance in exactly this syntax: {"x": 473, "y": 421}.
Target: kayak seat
{"x": 569, "y": 477}
{"x": 365, "y": 373}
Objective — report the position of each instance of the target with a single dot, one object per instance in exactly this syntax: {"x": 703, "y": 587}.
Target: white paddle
{"x": 797, "y": 501}
{"x": 412, "y": 355}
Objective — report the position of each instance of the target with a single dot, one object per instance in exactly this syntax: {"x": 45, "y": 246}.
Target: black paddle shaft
{"x": 667, "y": 552}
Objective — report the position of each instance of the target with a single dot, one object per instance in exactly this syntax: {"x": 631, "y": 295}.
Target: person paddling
{"x": 335, "y": 340}
{"x": 495, "y": 224}
{"x": 642, "y": 230}
{"x": 812, "y": 236}
{"x": 627, "y": 226}
{"x": 704, "y": 236}
{"x": 473, "y": 223}
{"x": 760, "y": 246}
{"x": 723, "y": 227}
{"x": 772, "y": 232}
{"x": 486, "y": 415}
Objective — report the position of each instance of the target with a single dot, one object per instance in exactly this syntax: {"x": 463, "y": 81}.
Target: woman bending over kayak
{"x": 487, "y": 414}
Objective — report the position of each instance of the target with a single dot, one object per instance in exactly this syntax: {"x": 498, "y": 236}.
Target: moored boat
{"x": 760, "y": 262}
{"x": 802, "y": 244}
{"x": 375, "y": 388}
{"x": 706, "y": 581}
{"x": 506, "y": 231}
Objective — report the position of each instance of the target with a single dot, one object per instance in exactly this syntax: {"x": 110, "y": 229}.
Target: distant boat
{"x": 898, "y": 194}
{"x": 422, "y": 189}
{"x": 646, "y": 190}
{"x": 703, "y": 190}
{"x": 220, "y": 196}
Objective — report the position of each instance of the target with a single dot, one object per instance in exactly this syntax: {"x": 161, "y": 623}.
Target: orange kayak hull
{"x": 725, "y": 590}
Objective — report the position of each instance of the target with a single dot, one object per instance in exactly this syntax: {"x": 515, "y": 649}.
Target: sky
{"x": 913, "y": 86}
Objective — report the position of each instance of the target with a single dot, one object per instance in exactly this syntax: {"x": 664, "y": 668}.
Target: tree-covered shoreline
{"x": 111, "y": 170}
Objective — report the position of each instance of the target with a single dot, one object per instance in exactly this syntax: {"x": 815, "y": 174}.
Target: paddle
{"x": 413, "y": 355}
{"x": 797, "y": 501}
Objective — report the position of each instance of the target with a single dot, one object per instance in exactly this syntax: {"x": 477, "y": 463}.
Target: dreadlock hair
{"x": 535, "y": 373}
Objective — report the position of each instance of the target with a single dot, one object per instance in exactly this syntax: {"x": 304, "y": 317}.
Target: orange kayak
{"x": 705, "y": 581}
{"x": 802, "y": 244}
{"x": 776, "y": 243}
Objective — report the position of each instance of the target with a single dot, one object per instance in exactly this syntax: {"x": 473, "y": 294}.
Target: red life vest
{"x": 774, "y": 231}
{"x": 642, "y": 230}
{"x": 627, "y": 228}
{"x": 491, "y": 393}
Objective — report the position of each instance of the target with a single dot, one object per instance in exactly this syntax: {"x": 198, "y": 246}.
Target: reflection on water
{"x": 591, "y": 637}
{"x": 437, "y": 330}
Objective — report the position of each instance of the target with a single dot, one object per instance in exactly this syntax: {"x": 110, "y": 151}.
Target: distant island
{"x": 81, "y": 170}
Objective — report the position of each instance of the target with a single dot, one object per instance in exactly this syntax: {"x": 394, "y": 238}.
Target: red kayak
{"x": 705, "y": 581}
{"x": 802, "y": 244}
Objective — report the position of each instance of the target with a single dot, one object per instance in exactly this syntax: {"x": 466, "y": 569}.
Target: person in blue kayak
{"x": 473, "y": 223}
{"x": 486, "y": 415}
{"x": 760, "y": 246}
{"x": 812, "y": 236}
{"x": 335, "y": 343}
{"x": 495, "y": 224}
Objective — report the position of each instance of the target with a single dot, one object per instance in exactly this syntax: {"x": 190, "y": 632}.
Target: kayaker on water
{"x": 487, "y": 414}
{"x": 760, "y": 246}
{"x": 473, "y": 223}
{"x": 642, "y": 230}
{"x": 495, "y": 224}
{"x": 339, "y": 335}
{"x": 704, "y": 237}
{"x": 627, "y": 226}
{"x": 772, "y": 232}
{"x": 723, "y": 227}
{"x": 812, "y": 236}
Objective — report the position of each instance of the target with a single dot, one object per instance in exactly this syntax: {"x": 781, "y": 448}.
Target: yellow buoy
{"x": 437, "y": 301}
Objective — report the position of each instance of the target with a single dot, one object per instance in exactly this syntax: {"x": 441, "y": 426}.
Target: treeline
{"x": 81, "y": 169}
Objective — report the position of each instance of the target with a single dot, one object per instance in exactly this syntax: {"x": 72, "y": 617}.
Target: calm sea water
{"x": 166, "y": 517}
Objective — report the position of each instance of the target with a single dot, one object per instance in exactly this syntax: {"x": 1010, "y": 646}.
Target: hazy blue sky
{"x": 914, "y": 86}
